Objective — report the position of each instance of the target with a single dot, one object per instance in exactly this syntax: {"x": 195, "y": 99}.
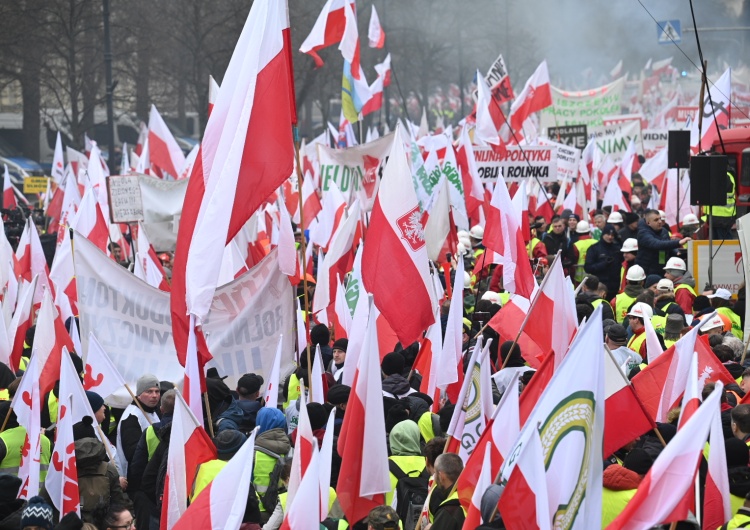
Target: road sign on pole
{"x": 668, "y": 32}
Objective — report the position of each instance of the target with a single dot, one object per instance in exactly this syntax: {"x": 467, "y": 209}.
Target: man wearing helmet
{"x": 622, "y": 302}
{"x": 684, "y": 283}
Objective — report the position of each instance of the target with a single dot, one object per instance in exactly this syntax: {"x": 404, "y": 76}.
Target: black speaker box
{"x": 708, "y": 180}
{"x": 678, "y": 149}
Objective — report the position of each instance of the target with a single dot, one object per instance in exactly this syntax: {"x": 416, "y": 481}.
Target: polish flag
{"x": 90, "y": 221}
{"x": 324, "y": 471}
{"x": 23, "y": 319}
{"x": 304, "y": 443}
{"x": 364, "y": 476}
{"x": 438, "y": 225}
{"x": 661, "y": 384}
{"x": 625, "y": 419}
{"x": 473, "y": 188}
{"x": 580, "y": 374}
{"x": 213, "y": 508}
{"x": 61, "y": 482}
{"x": 717, "y": 508}
{"x": 509, "y": 320}
{"x": 58, "y": 162}
{"x": 672, "y": 475}
{"x": 349, "y": 45}
{"x": 396, "y": 225}
{"x": 62, "y": 276}
{"x": 319, "y": 385}
{"x": 375, "y": 32}
{"x": 329, "y": 218}
{"x": 503, "y": 235}
{"x": 375, "y": 103}
{"x": 100, "y": 373}
{"x": 535, "y": 96}
{"x": 500, "y": 436}
{"x": 71, "y": 200}
{"x": 31, "y": 453}
{"x": 213, "y": 93}
{"x": 384, "y": 70}
{"x": 165, "y": 153}
{"x": 49, "y": 341}
{"x": 328, "y": 29}
{"x": 272, "y": 389}
{"x": 9, "y": 196}
{"x": 311, "y": 205}
{"x": 247, "y": 152}
{"x": 628, "y": 166}
{"x": 190, "y": 446}
{"x": 427, "y": 362}
{"x": 303, "y": 510}
{"x": 195, "y": 378}
{"x": 484, "y": 481}
{"x": 474, "y": 391}
{"x": 653, "y": 346}
{"x": 150, "y": 261}
{"x": 542, "y": 205}
{"x": 451, "y": 375}
{"x": 342, "y": 317}
{"x": 489, "y": 115}
{"x": 32, "y": 261}
{"x": 613, "y": 196}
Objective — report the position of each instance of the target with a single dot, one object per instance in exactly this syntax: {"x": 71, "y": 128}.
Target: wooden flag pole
{"x": 208, "y": 415}
{"x": 138, "y": 403}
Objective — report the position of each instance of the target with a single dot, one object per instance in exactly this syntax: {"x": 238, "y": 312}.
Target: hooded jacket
{"x": 654, "y": 248}
{"x": 396, "y": 386}
{"x": 602, "y": 260}
{"x": 94, "y": 472}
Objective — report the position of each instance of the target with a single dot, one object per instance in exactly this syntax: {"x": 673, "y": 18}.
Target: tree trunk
{"x": 31, "y": 93}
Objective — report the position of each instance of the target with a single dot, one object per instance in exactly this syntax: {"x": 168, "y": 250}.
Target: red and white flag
{"x": 213, "y": 93}
{"x": 714, "y": 116}
{"x": 450, "y": 375}
{"x": 272, "y": 389}
{"x": 489, "y": 116}
{"x": 31, "y": 452}
{"x": 653, "y": 346}
{"x": 473, "y": 188}
{"x": 195, "y": 378}
{"x": 303, "y": 510}
{"x": 484, "y": 481}
{"x": 23, "y": 319}
{"x": 90, "y": 220}
{"x": 32, "y": 261}
{"x": 717, "y": 508}
{"x": 671, "y": 476}
{"x": 247, "y": 152}
{"x": 49, "y": 342}
{"x": 625, "y": 419}
{"x": 71, "y": 200}
{"x": 375, "y": 103}
{"x": 364, "y": 477}
{"x": 9, "y": 195}
{"x": 576, "y": 388}
{"x": 375, "y": 33}
{"x": 396, "y": 224}
{"x": 328, "y": 29}
{"x": 427, "y": 362}
{"x": 100, "y": 373}
{"x": 438, "y": 224}
{"x": 311, "y": 205}
{"x": 214, "y": 508}
{"x": 535, "y": 96}
{"x": 164, "y": 151}
{"x": 58, "y": 162}
{"x": 613, "y": 196}
{"x": 189, "y": 446}
{"x": 303, "y": 449}
{"x": 61, "y": 482}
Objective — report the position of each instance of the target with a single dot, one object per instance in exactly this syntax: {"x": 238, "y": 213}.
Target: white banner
{"x": 613, "y": 140}
{"x": 532, "y": 162}
{"x": 654, "y": 140}
{"x": 568, "y": 158}
{"x": 587, "y": 107}
{"x": 162, "y": 206}
{"x": 132, "y": 320}
{"x": 728, "y": 270}
{"x": 355, "y": 170}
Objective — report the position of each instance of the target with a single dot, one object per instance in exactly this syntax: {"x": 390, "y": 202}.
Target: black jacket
{"x": 654, "y": 248}
{"x": 603, "y": 260}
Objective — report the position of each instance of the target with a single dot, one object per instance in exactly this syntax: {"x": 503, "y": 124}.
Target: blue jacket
{"x": 654, "y": 248}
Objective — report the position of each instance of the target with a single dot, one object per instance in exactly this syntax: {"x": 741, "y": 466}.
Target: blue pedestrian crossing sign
{"x": 668, "y": 32}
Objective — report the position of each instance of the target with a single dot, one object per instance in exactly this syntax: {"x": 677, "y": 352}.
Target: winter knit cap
{"x": 638, "y": 460}
{"x": 84, "y": 429}
{"x": 249, "y": 384}
{"x": 145, "y": 382}
{"x": 651, "y": 279}
{"x": 404, "y": 439}
{"x": 617, "y": 334}
{"x": 340, "y": 344}
{"x": 229, "y": 441}
{"x": 270, "y": 418}
{"x": 675, "y": 323}
{"x": 737, "y": 453}
{"x": 37, "y": 513}
{"x": 393, "y": 363}
{"x": 9, "y": 486}
{"x": 339, "y": 394}
{"x": 318, "y": 415}
{"x": 95, "y": 400}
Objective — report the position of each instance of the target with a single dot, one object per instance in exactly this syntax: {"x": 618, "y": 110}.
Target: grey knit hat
{"x": 145, "y": 382}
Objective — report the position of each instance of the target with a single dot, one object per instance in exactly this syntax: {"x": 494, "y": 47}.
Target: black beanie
{"x": 340, "y": 344}
{"x": 339, "y": 394}
{"x": 84, "y": 429}
{"x": 318, "y": 415}
{"x": 229, "y": 442}
{"x": 638, "y": 460}
{"x": 319, "y": 334}
{"x": 393, "y": 363}
{"x": 95, "y": 400}
{"x": 9, "y": 486}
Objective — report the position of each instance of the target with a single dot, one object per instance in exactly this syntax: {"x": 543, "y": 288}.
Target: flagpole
{"x": 531, "y": 308}
{"x": 138, "y": 403}
{"x": 208, "y": 414}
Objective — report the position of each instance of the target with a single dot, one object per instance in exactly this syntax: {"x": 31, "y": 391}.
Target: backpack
{"x": 411, "y": 494}
{"x": 94, "y": 488}
{"x": 270, "y": 498}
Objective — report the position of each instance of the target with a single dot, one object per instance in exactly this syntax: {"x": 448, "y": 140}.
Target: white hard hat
{"x": 467, "y": 279}
{"x": 715, "y": 322}
{"x": 675, "y": 263}
{"x": 615, "y": 217}
{"x": 461, "y": 249}
{"x": 690, "y": 219}
{"x": 462, "y": 233}
{"x": 477, "y": 232}
{"x": 583, "y": 227}
{"x": 465, "y": 240}
{"x": 641, "y": 310}
{"x": 662, "y": 214}
{"x": 492, "y": 297}
{"x": 635, "y": 274}
{"x": 665, "y": 285}
{"x": 630, "y": 245}
{"x": 634, "y": 200}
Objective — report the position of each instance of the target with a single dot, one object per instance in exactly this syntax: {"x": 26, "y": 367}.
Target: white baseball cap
{"x": 635, "y": 274}
{"x": 630, "y": 245}
{"x": 722, "y": 293}
{"x": 665, "y": 285}
{"x": 615, "y": 217}
{"x": 690, "y": 219}
{"x": 492, "y": 297}
{"x": 713, "y": 323}
{"x": 676, "y": 263}
{"x": 641, "y": 310}
{"x": 583, "y": 227}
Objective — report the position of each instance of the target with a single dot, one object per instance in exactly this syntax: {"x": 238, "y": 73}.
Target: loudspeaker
{"x": 678, "y": 149}
{"x": 708, "y": 180}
